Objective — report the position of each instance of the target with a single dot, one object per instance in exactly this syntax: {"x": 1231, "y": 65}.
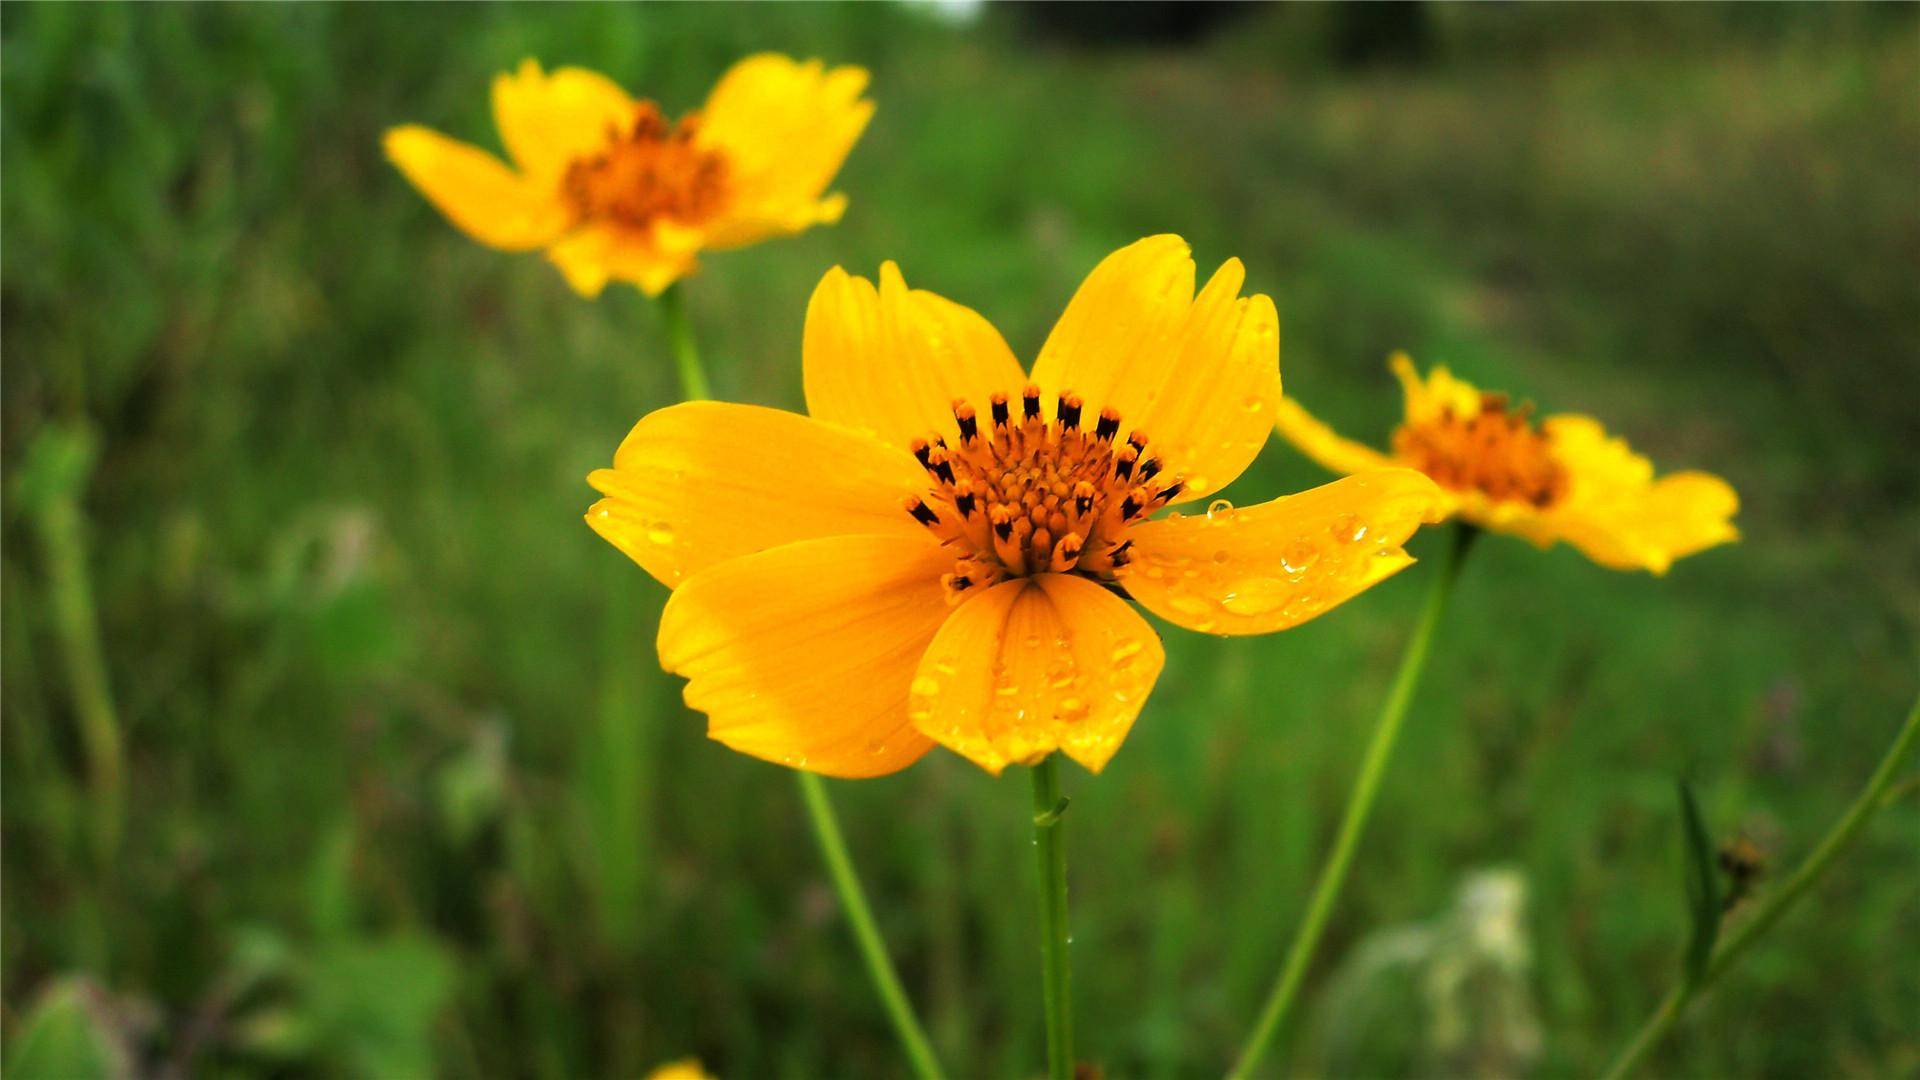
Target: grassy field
{"x": 404, "y": 790}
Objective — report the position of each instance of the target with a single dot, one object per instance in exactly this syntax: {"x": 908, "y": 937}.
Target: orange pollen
{"x": 1020, "y": 494}
{"x": 1497, "y": 452}
{"x": 653, "y": 170}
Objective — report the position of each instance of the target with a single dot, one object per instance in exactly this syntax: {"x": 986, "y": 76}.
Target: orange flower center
{"x": 651, "y": 171}
{"x": 1497, "y": 452}
{"x": 1033, "y": 496}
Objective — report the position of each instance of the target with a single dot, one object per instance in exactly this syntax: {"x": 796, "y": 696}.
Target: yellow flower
{"x": 940, "y": 551}
{"x": 1562, "y": 479}
{"x": 615, "y": 192}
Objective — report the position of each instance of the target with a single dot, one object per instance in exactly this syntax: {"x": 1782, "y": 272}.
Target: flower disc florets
{"x": 1496, "y": 451}
{"x": 1031, "y": 496}
{"x": 651, "y": 170}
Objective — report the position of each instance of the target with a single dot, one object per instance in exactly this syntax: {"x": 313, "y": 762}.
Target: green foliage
{"x": 61, "y": 1038}
{"x": 406, "y": 792}
{"x": 1702, "y": 887}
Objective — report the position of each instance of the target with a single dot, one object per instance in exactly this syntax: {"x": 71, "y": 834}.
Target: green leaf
{"x": 62, "y": 1038}
{"x": 373, "y": 1003}
{"x": 1702, "y": 888}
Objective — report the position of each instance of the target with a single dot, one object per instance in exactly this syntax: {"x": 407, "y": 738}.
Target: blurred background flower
{"x": 361, "y": 655}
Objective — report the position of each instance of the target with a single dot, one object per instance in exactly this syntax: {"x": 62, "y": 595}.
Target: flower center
{"x": 650, "y": 171}
{"x": 1033, "y": 496}
{"x": 1496, "y": 451}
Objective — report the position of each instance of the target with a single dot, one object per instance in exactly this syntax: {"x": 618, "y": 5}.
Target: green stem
{"x": 686, "y": 355}
{"x": 1842, "y": 837}
{"x": 59, "y": 464}
{"x": 1056, "y": 978}
{"x": 813, "y": 791}
{"x": 833, "y": 848}
{"x": 1333, "y": 875}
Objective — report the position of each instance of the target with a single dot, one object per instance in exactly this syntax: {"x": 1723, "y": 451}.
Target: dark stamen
{"x": 921, "y": 448}
{"x": 1030, "y": 402}
{"x": 999, "y": 402}
{"x": 923, "y": 513}
{"x": 1149, "y": 469}
{"x": 969, "y": 426}
{"x": 1108, "y": 426}
{"x": 1068, "y": 411}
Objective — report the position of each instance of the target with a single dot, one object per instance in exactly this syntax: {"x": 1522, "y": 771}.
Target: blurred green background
{"x": 404, "y": 791}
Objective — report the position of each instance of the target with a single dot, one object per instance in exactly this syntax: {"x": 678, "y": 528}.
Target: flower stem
{"x": 813, "y": 791}
{"x": 1880, "y": 787}
{"x": 49, "y": 485}
{"x": 1366, "y": 787}
{"x": 686, "y": 355}
{"x": 1051, "y": 852}
{"x": 833, "y": 849}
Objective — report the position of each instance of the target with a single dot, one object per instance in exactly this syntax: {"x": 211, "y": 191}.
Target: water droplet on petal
{"x": 924, "y": 686}
{"x": 661, "y": 533}
{"x": 1256, "y": 596}
{"x": 1219, "y": 510}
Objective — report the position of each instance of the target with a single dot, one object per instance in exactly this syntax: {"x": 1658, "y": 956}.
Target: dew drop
{"x": 1221, "y": 556}
{"x": 660, "y": 532}
{"x": 1219, "y": 509}
{"x": 1125, "y": 651}
{"x": 1190, "y": 604}
{"x": 1253, "y": 403}
{"x": 1256, "y": 596}
{"x": 924, "y": 686}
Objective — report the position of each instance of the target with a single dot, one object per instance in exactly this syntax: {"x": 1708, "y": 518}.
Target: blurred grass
{"x": 391, "y": 806}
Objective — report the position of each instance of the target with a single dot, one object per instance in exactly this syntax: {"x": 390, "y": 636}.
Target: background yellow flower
{"x": 1562, "y": 479}
{"x": 614, "y": 191}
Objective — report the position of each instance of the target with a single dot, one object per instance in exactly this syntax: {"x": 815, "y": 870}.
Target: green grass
{"x": 405, "y": 788}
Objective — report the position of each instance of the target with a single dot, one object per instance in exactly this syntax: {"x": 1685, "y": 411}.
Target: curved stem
{"x": 1051, "y": 852}
{"x": 1333, "y": 875}
{"x": 1835, "y": 844}
{"x": 686, "y": 355}
{"x": 833, "y": 849}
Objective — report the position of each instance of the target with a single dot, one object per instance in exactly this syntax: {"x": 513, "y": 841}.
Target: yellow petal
{"x": 890, "y": 361}
{"x": 1200, "y": 376}
{"x": 696, "y": 484}
{"x": 1438, "y": 392}
{"x": 785, "y": 128}
{"x": 476, "y": 191}
{"x": 1280, "y": 563}
{"x": 802, "y": 655}
{"x": 546, "y": 121}
{"x": 601, "y": 252}
{"x": 1321, "y": 443}
{"x": 1035, "y": 665}
{"x": 1619, "y": 515}
{"x": 685, "y": 1069}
